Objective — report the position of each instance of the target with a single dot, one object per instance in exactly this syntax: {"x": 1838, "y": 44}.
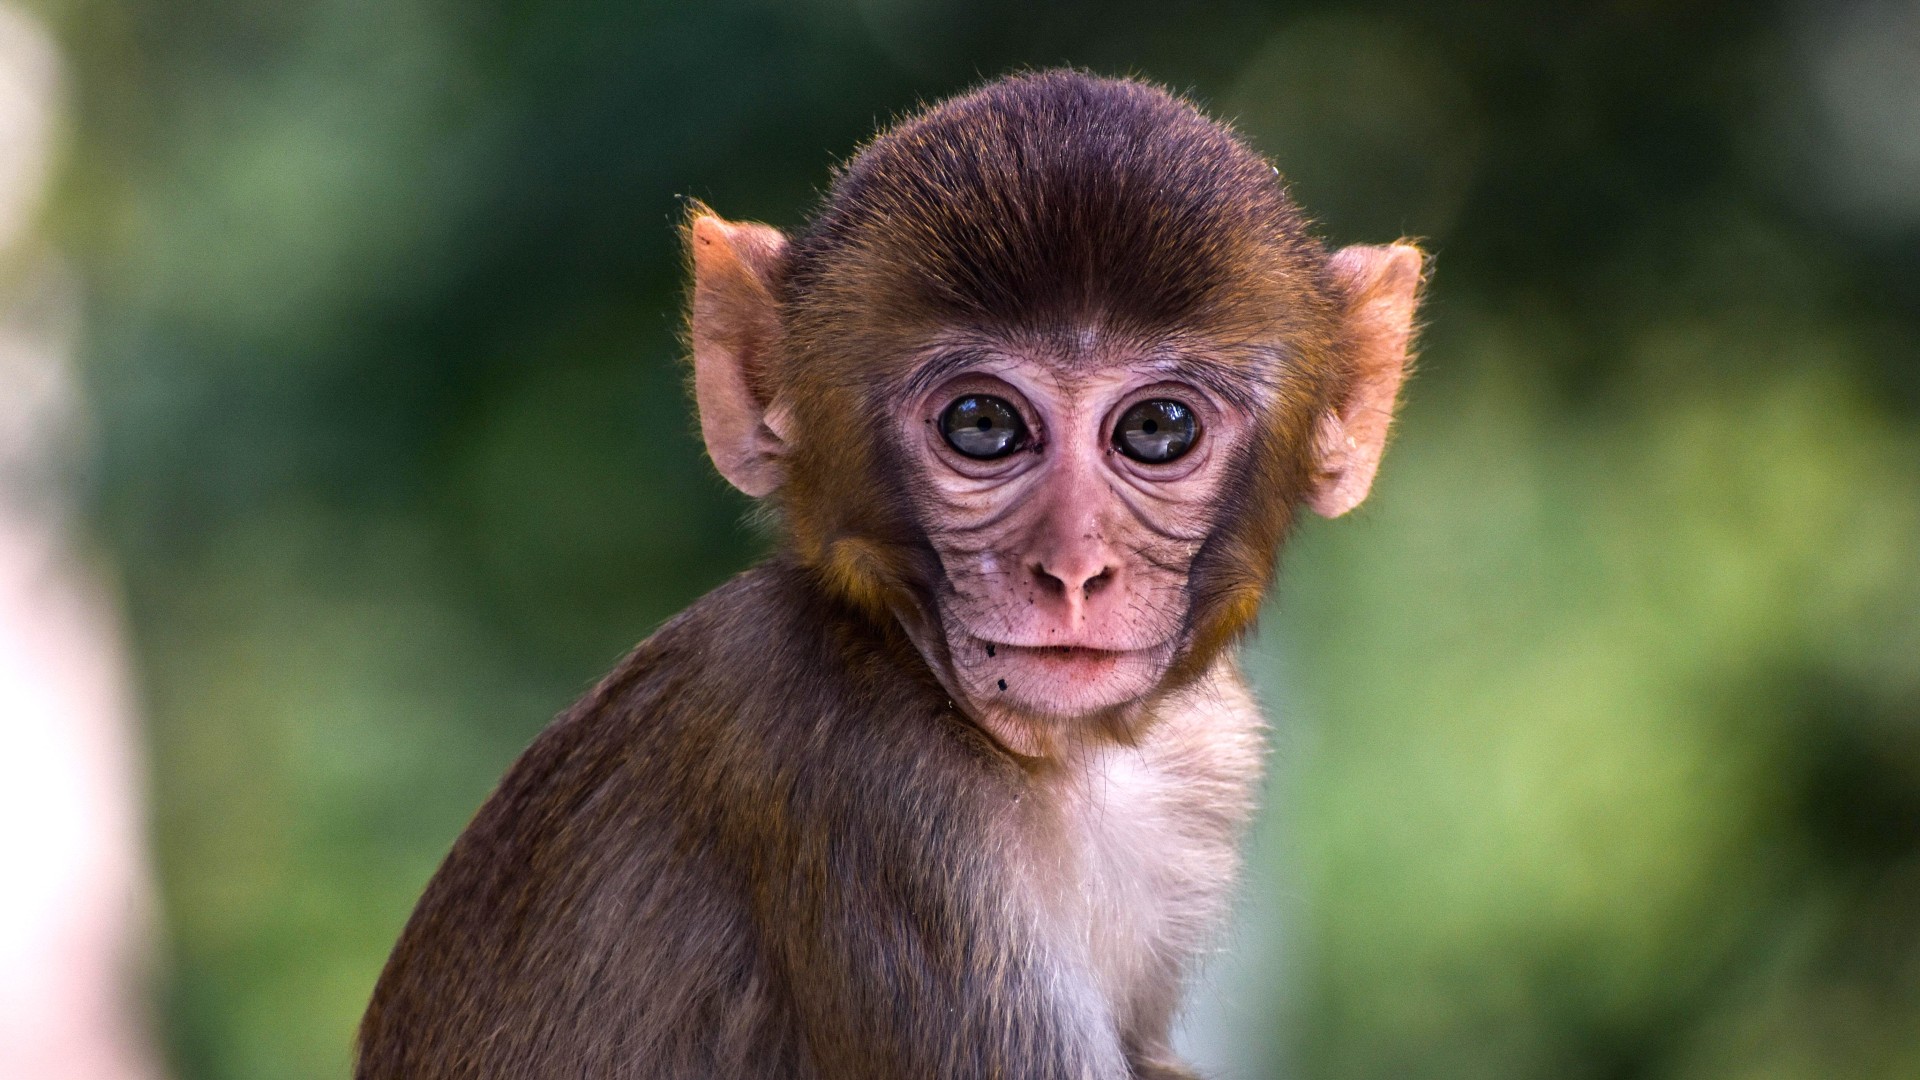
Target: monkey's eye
{"x": 1156, "y": 432}
{"x": 983, "y": 427}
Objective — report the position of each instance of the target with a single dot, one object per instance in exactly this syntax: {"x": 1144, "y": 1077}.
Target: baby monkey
{"x": 951, "y": 785}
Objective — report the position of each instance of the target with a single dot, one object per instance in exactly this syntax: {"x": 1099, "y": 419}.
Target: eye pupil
{"x": 983, "y": 427}
{"x": 1155, "y": 432}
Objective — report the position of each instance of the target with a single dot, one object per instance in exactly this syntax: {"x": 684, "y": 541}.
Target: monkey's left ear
{"x": 735, "y": 327}
{"x": 1381, "y": 288}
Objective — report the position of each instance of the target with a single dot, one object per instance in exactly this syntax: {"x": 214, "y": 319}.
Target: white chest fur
{"x": 1136, "y": 849}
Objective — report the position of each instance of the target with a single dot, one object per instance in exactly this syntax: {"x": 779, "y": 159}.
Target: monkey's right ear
{"x": 735, "y": 328}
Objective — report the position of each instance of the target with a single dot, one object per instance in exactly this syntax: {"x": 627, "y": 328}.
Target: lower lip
{"x": 1065, "y": 661}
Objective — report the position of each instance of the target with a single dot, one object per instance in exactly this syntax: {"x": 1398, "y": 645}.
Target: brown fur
{"x": 774, "y": 843}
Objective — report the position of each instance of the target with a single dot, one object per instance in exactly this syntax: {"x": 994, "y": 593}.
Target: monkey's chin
{"x": 1037, "y": 701}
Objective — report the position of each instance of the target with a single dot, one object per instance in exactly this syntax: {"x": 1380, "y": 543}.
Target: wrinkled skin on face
{"x": 1064, "y": 593}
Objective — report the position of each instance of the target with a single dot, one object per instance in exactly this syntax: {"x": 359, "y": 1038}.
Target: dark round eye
{"x": 983, "y": 427}
{"x": 1156, "y": 432}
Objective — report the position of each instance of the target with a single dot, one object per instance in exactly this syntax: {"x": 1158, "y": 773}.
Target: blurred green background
{"x": 1597, "y": 747}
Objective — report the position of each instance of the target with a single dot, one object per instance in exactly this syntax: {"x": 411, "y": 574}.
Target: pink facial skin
{"x": 1066, "y": 561}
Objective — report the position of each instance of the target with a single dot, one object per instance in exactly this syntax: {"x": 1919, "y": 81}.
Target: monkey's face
{"x": 1066, "y": 493}
{"x": 1111, "y": 360}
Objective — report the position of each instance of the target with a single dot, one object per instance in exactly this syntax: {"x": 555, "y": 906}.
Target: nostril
{"x": 1058, "y": 585}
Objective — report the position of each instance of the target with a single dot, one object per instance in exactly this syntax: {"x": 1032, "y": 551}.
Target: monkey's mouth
{"x": 1062, "y": 656}
{"x": 1024, "y": 695}
{"x": 1061, "y": 675}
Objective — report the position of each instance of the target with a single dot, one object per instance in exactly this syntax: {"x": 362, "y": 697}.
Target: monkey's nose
{"x": 1073, "y": 580}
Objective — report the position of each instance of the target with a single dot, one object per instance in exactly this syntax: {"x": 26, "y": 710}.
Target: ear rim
{"x": 1381, "y": 285}
{"x": 733, "y": 327}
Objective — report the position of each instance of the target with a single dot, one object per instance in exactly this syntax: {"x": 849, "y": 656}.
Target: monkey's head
{"x": 1043, "y": 381}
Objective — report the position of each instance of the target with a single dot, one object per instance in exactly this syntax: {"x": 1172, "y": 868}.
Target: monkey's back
{"x": 628, "y": 902}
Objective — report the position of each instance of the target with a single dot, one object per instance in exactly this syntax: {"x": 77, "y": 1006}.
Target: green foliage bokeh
{"x": 1597, "y": 745}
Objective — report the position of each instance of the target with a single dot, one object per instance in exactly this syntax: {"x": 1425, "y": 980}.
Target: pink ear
{"x": 1381, "y": 286}
{"x": 735, "y": 326}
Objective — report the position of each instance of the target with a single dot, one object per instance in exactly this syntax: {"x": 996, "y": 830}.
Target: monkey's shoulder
{"x": 638, "y": 839}
{"x": 759, "y": 692}
{"x": 769, "y": 654}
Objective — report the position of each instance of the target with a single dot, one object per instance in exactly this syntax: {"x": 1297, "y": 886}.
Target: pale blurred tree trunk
{"x": 73, "y": 881}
